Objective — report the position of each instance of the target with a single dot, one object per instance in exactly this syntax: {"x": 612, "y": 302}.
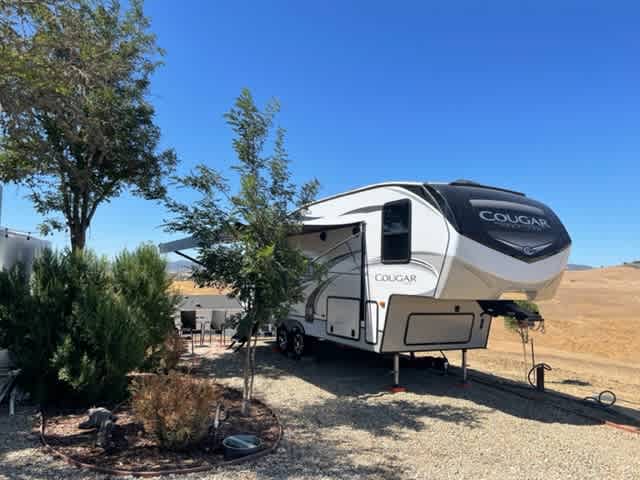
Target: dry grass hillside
{"x": 187, "y": 287}
{"x": 595, "y": 313}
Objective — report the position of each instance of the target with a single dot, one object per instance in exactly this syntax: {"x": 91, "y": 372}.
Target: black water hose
{"x": 601, "y": 399}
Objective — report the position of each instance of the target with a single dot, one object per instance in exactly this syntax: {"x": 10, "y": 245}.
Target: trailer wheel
{"x": 283, "y": 339}
{"x": 299, "y": 343}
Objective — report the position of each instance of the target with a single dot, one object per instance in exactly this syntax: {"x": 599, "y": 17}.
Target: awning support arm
{"x": 184, "y": 255}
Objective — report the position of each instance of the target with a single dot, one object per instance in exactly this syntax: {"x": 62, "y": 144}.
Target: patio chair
{"x": 189, "y": 327}
{"x": 216, "y": 322}
{"x": 7, "y": 381}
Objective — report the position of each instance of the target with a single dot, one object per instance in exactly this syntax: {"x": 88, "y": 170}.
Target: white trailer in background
{"x": 15, "y": 247}
{"x": 18, "y": 247}
{"x": 414, "y": 266}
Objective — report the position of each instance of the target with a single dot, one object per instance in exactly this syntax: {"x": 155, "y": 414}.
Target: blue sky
{"x": 542, "y": 97}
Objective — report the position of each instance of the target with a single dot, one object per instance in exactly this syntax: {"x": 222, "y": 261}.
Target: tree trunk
{"x": 78, "y": 238}
{"x": 247, "y": 373}
{"x": 524, "y": 354}
{"x": 253, "y": 365}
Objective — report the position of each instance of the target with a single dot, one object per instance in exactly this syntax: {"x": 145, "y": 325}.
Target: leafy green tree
{"x": 243, "y": 235}
{"x": 76, "y": 126}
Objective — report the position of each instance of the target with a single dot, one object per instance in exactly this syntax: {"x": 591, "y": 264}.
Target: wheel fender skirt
{"x": 509, "y": 308}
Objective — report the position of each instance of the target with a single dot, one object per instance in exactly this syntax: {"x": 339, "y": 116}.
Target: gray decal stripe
{"x": 426, "y": 252}
{"x": 322, "y": 286}
{"x": 335, "y": 260}
{"x": 428, "y": 266}
{"x": 369, "y": 209}
{"x": 336, "y": 246}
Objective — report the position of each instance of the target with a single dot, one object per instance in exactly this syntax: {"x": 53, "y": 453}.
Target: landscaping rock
{"x": 97, "y": 416}
{"x": 105, "y": 432}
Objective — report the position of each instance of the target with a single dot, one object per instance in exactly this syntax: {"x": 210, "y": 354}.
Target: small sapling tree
{"x": 243, "y": 235}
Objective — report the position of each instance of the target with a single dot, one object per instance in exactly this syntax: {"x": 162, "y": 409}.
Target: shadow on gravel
{"x": 390, "y": 418}
{"x": 354, "y": 376}
{"x": 313, "y": 457}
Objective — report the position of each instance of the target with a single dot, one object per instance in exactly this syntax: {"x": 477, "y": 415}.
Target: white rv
{"x": 423, "y": 266}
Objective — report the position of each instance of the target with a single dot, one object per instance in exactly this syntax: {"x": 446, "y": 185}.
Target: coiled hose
{"x": 546, "y": 366}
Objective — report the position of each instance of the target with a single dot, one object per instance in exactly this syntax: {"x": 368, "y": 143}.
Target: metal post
{"x": 464, "y": 365}
{"x": 396, "y": 369}
{"x": 12, "y": 401}
{"x": 540, "y": 378}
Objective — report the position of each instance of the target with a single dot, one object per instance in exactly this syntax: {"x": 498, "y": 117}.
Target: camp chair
{"x": 188, "y": 326}
{"x": 7, "y": 381}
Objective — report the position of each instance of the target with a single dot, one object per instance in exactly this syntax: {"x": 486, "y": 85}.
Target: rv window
{"x": 396, "y": 232}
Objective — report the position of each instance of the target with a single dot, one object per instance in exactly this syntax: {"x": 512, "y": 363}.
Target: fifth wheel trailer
{"x": 413, "y": 266}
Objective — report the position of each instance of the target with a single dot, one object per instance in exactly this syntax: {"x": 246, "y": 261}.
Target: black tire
{"x": 299, "y": 343}
{"x": 283, "y": 339}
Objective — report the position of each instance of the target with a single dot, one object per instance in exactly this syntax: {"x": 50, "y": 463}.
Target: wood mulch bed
{"x": 136, "y": 452}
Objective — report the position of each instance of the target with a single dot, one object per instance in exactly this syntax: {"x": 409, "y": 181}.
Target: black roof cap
{"x": 471, "y": 183}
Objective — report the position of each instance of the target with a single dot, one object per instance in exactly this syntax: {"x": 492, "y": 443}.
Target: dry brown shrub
{"x": 176, "y": 409}
{"x": 171, "y": 351}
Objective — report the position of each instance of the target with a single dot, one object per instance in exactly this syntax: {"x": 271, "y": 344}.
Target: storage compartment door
{"x": 438, "y": 328}
{"x": 343, "y": 317}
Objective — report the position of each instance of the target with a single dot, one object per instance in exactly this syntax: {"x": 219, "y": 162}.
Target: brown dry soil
{"x": 135, "y": 451}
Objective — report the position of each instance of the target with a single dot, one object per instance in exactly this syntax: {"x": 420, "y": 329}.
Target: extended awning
{"x": 177, "y": 245}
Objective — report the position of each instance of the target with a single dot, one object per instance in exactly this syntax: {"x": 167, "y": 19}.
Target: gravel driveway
{"x": 340, "y": 422}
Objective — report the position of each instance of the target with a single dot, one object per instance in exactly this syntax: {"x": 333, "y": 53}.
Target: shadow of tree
{"x": 385, "y": 418}
{"x": 313, "y": 457}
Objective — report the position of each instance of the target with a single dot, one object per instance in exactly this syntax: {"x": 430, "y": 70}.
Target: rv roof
{"x": 458, "y": 183}
{"x": 366, "y": 187}
{"x": 471, "y": 183}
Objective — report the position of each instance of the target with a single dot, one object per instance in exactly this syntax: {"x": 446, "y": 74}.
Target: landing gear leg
{"x": 396, "y": 388}
{"x": 465, "y": 377}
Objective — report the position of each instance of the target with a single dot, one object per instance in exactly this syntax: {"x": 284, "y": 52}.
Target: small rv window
{"x": 396, "y": 232}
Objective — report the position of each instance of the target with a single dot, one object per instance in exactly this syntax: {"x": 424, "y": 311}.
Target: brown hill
{"x": 187, "y": 287}
{"x": 595, "y": 313}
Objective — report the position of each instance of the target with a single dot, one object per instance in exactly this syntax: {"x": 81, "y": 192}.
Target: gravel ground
{"x": 341, "y": 423}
